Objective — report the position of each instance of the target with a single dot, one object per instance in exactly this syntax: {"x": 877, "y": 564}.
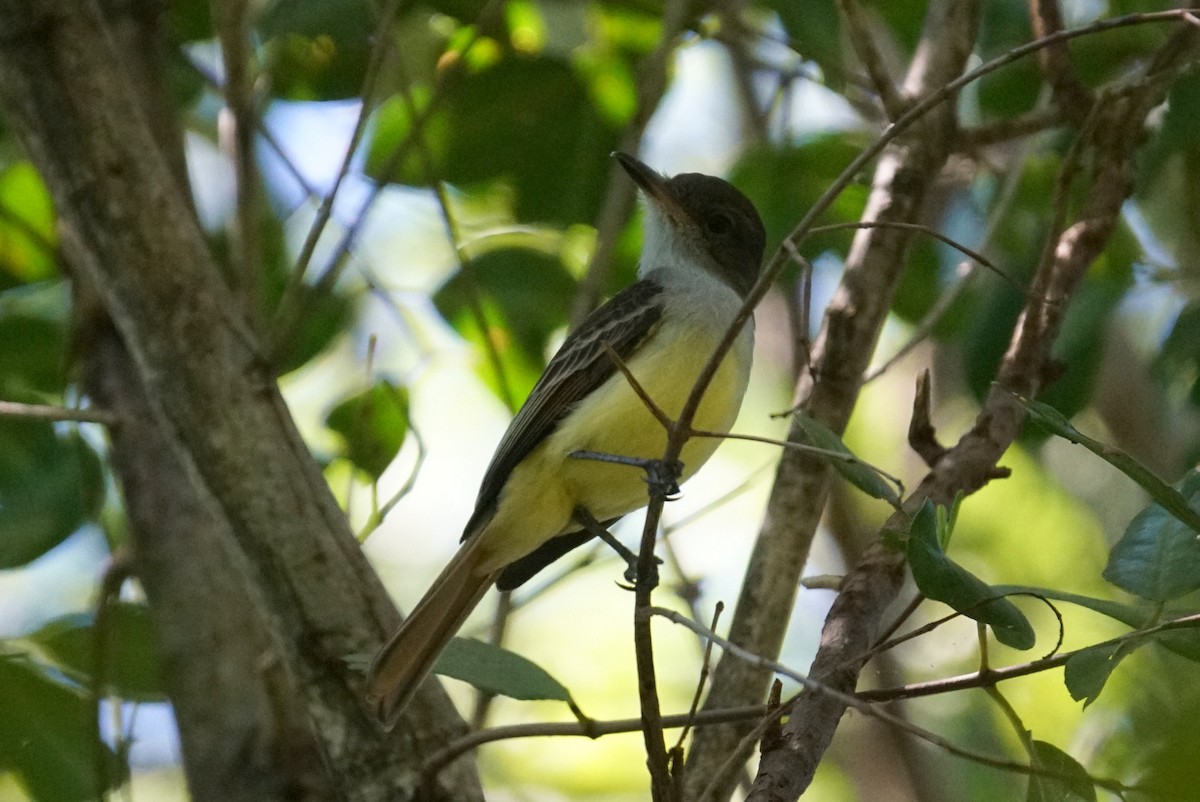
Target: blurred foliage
{"x": 509, "y": 301}
{"x": 48, "y": 736}
{"x": 515, "y": 107}
{"x": 373, "y": 425}
{"x": 132, "y": 671}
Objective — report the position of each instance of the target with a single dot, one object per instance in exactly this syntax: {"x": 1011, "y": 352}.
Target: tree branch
{"x": 850, "y": 626}
{"x": 129, "y": 235}
{"x": 840, "y": 357}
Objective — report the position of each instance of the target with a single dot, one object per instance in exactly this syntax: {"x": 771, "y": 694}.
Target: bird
{"x": 557, "y": 478}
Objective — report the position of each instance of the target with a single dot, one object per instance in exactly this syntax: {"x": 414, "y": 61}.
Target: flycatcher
{"x": 545, "y": 491}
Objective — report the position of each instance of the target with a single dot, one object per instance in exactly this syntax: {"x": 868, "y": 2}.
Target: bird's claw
{"x": 663, "y": 476}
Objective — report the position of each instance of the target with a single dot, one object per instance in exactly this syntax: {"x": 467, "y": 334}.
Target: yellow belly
{"x": 541, "y": 494}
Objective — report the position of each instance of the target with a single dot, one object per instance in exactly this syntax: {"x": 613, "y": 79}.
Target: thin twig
{"x": 906, "y": 121}
{"x": 654, "y": 409}
{"x": 1070, "y": 93}
{"x": 860, "y": 36}
{"x": 15, "y": 409}
{"x": 289, "y": 311}
{"x": 967, "y": 270}
{"x": 858, "y": 703}
{"x": 236, "y": 127}
{"x": 592, "y": 729}
{"x": 975, "y": 255}
{"x": 840, "y": 456}
{"x": 993, "y": 133}
{"x": 701, "y": 680}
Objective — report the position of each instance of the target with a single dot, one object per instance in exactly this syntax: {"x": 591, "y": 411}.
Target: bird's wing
{"x": 581, "y": 365}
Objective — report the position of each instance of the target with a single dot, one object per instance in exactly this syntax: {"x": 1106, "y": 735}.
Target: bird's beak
{"x": 651, "y": 183}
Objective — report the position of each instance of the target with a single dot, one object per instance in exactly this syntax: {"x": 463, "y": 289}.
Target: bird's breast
{"x": 616, "y": 420}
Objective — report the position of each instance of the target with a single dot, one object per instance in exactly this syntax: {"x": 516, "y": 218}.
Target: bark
{"x": 840, "y": 357}
{"x": 129, "y": 237}
{"x": 1114, "y": 130}
{"x": 242, "y": 740}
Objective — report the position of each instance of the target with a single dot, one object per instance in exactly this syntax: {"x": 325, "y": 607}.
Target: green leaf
{"x": 373, "y": 425}
{"x": 49, "y": 486}
{"x": 1087, "y": 671}
{"x": 133, "y": 671}
{"x": 853, "y": 470}
{"x": 532, "y": 121}
{"x": 1177, "y": 364}
{"x": 524, "y": 296}
{"x": 34, "y": 319}
{"x": 781, "y": 180}
{"x": 1183, "y": 642}
{"x": 327, "y": 314}
{"x": 1158, "y": 557}
{"x": 814, "y": 32}
{"x": 495, "y": 670}
{"x": 48, "y": 736}
{"x": 27, "y": 237}
{"x": 317, "y": 50}
{"x": 1071, "y": 783}
{"x": 324, "y": 313}
{"x": 391, "y": 157}
{"x": 32, "y": 355}
{"x": 941, "y": 579}
{"x": 929, "y": 271}
{"x": 1173, "y": 501}
{"x": 527, "y": 121}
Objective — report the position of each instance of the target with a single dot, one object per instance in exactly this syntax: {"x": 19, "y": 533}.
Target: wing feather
{"x": 581, "y": 365}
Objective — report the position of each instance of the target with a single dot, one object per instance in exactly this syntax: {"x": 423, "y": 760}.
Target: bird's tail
{"x": 408, "y": 657}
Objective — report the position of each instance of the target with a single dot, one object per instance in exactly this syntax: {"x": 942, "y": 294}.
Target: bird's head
{"x": 700, "y": 219}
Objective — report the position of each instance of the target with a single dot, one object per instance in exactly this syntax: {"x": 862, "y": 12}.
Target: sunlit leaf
{"x": 495, "y": 670}
{"x": 395, "y": 151}
{"x": 373, "y": 425}
{"x": 524, "y": 296}
{"x": 941, "y": 579}
{"x": 27, "y": 237}
{"x": 317, "y": 50}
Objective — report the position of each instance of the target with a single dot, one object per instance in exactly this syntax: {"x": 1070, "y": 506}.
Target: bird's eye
{"x": 719, "y": 223}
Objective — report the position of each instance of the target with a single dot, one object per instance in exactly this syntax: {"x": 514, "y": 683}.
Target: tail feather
{"x": 407, "y": 658}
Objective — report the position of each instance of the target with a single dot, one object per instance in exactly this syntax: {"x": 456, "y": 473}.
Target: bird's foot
{"x": 661, "y": 475}
{"x": 589, "y": 523}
